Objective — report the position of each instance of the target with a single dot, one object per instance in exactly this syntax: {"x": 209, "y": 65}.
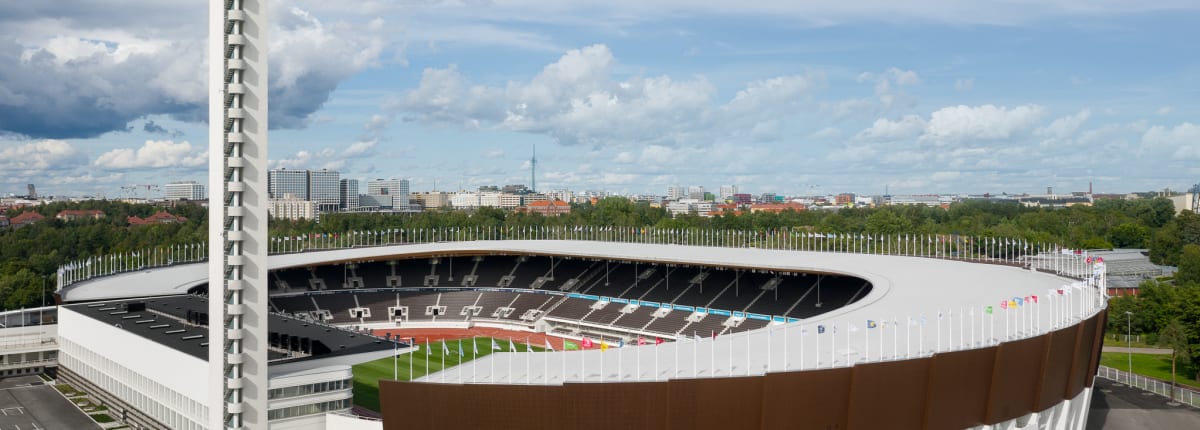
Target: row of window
{"x": 302, "y": 410}
{"x": 163, "y": 404}
{"x": 303, "y": 390}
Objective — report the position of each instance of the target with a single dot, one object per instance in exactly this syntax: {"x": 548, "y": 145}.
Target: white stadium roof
{"x": 903, "y": 287}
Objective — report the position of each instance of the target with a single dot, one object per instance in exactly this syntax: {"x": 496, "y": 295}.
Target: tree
{"x": 1175, "y": 336}
{"x": 1129, "y": 235}
{"x": 1189, "y": 266}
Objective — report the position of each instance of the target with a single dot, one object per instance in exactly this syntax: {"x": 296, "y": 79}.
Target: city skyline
{"x": 624, "y": 97}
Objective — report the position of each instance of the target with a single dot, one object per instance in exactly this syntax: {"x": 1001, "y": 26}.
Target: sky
{"x": 627, "y": 96}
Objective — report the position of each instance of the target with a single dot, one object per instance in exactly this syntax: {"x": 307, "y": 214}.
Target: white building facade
{"x": 185, "y": 190}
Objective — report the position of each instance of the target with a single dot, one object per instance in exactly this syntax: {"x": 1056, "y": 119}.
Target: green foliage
{"x": 1129, "y": 235}
{"x": 1189, "y": 266}
{"x": 32, "y": 254}
{"x": 1156, "y": 366}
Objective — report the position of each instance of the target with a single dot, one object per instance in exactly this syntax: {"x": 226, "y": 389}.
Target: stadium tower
{"x": 237, "y": 214}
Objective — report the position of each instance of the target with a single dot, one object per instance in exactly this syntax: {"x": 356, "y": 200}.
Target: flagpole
{"x": 396, "y": 360}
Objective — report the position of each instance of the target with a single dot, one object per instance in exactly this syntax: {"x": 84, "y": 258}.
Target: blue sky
{"x": 626, "y": 96}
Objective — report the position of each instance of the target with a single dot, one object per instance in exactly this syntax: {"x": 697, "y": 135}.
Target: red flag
{"x": 658, "y": 340}
{"x": 1004, "y": 304}
{"x": 1060, "y": 292}
{"x": 587, "y": 343}
{"x": 714, "y": 334}
{"x": 1034, "y": 298}
{"x": 641, "y": 340}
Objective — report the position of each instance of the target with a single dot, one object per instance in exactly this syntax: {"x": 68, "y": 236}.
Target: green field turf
{"x": 1154, "y": 366}
{"x": 367, "y": 375}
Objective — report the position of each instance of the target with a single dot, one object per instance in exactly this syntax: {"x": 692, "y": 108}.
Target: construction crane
{"x": 133, "y": 191}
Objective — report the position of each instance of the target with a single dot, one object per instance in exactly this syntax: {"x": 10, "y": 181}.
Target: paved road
{"x": 1159, "y": 351}
{"x": 1118, "y": 407}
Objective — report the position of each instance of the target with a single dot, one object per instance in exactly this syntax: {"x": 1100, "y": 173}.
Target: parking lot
{"x": 27, "y": 403}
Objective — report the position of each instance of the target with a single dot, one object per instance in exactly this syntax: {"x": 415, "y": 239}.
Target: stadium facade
{"x": 907, "y": 341}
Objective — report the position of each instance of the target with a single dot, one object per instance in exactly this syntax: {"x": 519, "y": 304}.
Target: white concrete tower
{"x": 237, "y": 214}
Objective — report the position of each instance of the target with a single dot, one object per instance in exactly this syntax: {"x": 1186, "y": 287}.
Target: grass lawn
{"x": 1154, "y": 366}
{"x": 367, "y": 375}
{"x": 1120, "y": 342}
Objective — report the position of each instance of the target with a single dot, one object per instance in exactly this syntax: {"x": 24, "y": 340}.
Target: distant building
{"x": 769, "y": 198}
{"x": 844, "y": 199}
{"x": 72, "y": 215}
{"x": 186, "y": 190}
{"x": 727, "y": 192}
{"x": 26, "y": 218}
{"x": 777, "y": 207}
{"x": 696, "y": 192}
{"x": 348, "y": 194}
{"x": 1183, "y": 202}
{"x": 676, "y": 192}
{"x": 3, "y": 221}
{"x": 324, "y": 189}
{"x": 160, "y": 217}
{"x": 431, "y": 200}
{"x": 691, "y": 206}
{"x": 281, "y": 182}
{"x": 293, "y": 208}
{"x": 549, "y": 208}
{"x": 742, "y": 199}
{"x": 397, "y": 189}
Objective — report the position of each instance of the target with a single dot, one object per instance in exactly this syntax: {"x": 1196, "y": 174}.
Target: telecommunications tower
{"x": 237, "y": 214}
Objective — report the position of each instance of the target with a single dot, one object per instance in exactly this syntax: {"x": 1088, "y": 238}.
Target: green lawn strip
{"x": 102, "y": 418}
{"x": 1152, "y": 365}
{"x": 1121, "y": 343}
{"x": 367, "y": 375}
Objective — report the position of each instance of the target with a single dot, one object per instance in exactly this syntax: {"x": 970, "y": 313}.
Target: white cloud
{"x": 153, "y": 154}
{"x": 966, "y": 84}
{"x": 1066, "y": 126}
{"x": 1165, "y": 110}
{"x": 493, "y": 153}
{"x": 827, "y": 133}
{"x": 846, "y": 108}
{"x": 888, "y": 130}
{"x": 359, "y": 149}
{"x": 38, "y": 157}
{"x": 889, "y": 86}
{"x": 1182, "y": 141}
{"x": 578, "y": 100}
{"x": 956, "y": 124}
{"x": 81, "y": 69}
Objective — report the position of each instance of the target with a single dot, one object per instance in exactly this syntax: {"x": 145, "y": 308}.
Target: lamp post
{"x": 1129, "y": 342}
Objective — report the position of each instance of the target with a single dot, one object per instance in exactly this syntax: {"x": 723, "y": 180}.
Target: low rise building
{"x": 549, "y": 208}
{"x": 26, "y": 218}
{"x": 293, "y": 208}
{"x": 160, "y": 217}
{"x": 72, "y": 215}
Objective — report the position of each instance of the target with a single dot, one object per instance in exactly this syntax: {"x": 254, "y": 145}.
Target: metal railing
{"x": 1048, "y": 257}
{"x": 1183, "y": 395}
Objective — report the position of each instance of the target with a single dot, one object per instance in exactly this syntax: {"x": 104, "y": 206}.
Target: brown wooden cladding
{"x": 946, "y": 391}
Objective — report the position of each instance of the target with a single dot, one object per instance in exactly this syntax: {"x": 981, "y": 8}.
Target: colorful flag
{"x": 988, "y": 310}
{"x": 871, "y": 324}
{"x": 641, "y": 340}
{"x": 620, "y": 343}
{"x": 445, "y": 348}
{"x": 512, "y": 347}
{"x": 568, "y": 345}
{"x": 1003, "y": 304}
{"x": 428, "y": 351}
{"x": 1035, "y": 299}
{"x": 820, "y": 329}
{"x": 548, "y": 347}
{"x": 475, "y": 346}
{"x": 460, "y": 350}
{"x": 658, "y": 340}
{"x": 587, "y": 343}
{"x": 603, "y": 345}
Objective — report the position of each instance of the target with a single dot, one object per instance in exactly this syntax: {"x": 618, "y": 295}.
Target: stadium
{"x": 701, "y": 329}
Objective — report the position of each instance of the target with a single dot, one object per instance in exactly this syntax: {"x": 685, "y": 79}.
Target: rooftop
{"x": 171, "y": 321}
